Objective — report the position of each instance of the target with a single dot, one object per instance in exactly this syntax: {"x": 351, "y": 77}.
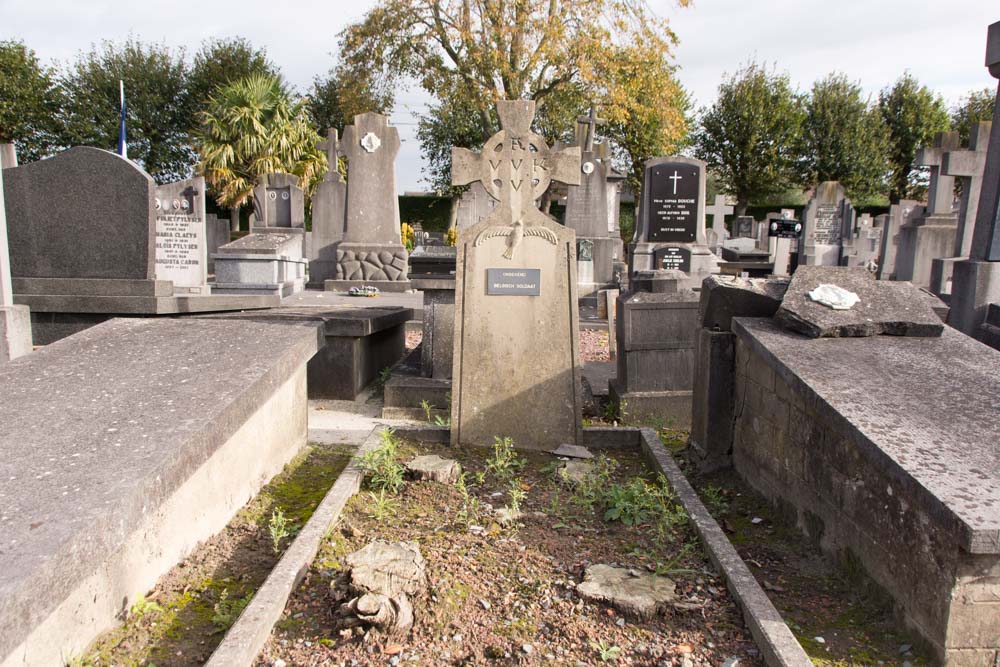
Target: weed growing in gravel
{"x": 442, "y": 421}
{"x": 142, "y": 606}
{"x": 279, "y": 529}
{"x": 632, "y": 503}
{"x": 382, "y": 506}
{"x": 505, "y": 461}
{"x": 227, "y": 611}
{"x": 590, "y": 490}
{"x": 381, "y": 466}
{"x": 715, "y": 500}
{"x": 605, "y": 651}
{"x": 428, "y": 408}
{"x": 468, "y": 513}
{"x": 515, "y": 495}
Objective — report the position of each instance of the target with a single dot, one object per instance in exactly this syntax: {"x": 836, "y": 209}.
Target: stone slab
{"x": 907, "y": 398}
{"x": 573, "y": 452}
{"x": 15, "y": 332}
{"x": 344, "y": 286}
{"x": 92, "y": 287}
{"x": 354, "y": 322}
{"x": 892, "y": 308}
{"x": 725, "y": 297}
{"x": 284, "y": 242}
{"x": 105, "y": 432}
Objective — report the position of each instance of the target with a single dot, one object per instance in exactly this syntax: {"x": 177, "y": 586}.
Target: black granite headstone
{"x": 673, "y": 258}
{"x": 671, "y": 202}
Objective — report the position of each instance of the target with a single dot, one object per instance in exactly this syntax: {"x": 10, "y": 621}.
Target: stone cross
{"x": 591, "y": 121}
{"x": 986, "y": 238}
{"x": 331, "y": 146}
{"x": 968, "y": 166}
{"x": 941, "y": 189}
{"x": 516, "y": 166}
{"x": 719, "y": 210}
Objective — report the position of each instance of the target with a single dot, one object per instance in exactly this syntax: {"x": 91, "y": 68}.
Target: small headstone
{"x": 328, "y": 215}
{"x": 433, "y": 468}
{"x": 641, "y": 595}
{"x": 823, "y": 225}
{"x": 181, "y": 243}
{"x": 278, "y": 201}
{"x": 719, "y": 210}
{"x": 891, "y": 308}
{"x": 902, "y": 213}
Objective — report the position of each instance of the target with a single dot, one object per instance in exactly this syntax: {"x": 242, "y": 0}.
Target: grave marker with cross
{"x": 328, "y": 214}
{"x": 516, "y": 314}
{"x": 719, "y": 210}
{"x": 941, "y": 190}
{"x": 968, "y": 166}
{"x": 590, "y": 123}
{"x": 331, "y": 146}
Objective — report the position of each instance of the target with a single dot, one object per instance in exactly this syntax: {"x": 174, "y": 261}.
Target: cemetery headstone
{"x": 328, "y": 215}
{"x": 823, "y": 223}
{"x": 905, "y": 210}
{"x": 932, "y": 235}
{"x": 15, "y": 321}
{"x": 672, "y": 215}
{"x": 8, "y": 156}
{"x": 863, "y": 245}
{"x": 719, "y": 210}
{"x": 181, "y": 241}
{"x": 371, "y": 252}
{"x": 217, "y": 233}
{"x": 967, "y": 167}
{"x": 516, "y": 316}
{"x": 782, "y": 232}
{"x": 590, "y": 209}
{"x": 278, "y": 201}
{"x": 745, "y": 226}
{"x": 475, "y": 205}
{"x": 976, "y": 282}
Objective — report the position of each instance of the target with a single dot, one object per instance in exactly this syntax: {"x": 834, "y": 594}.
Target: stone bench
{"x": 122, "y": 447}
{"x": 360, "y": 342}
{"x": 887, "y": 448}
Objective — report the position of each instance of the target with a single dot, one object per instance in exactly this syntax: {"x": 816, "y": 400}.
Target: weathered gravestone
{"x": 590, "y": 209}
{"x": 861, "y": 248}
{"x": 976, "y": 282}
{"x": 181, "y": 241}
{"x": 217, "y": 234}
{"x": 371, "y": 252}
{"x": 823, "y": 223}
{"x": 515, "y": 368}
{"x": 474, "y": 205}
{"x": 904, "y": 211}
{"x": 15, "y": 321}
{"x": 933, "y": 235}
{"x": 328, "y": 215}
{"x": 90, "y": 253}
{"x": 670, "y": 233}
{"x": 279, "y": 207}
{"x": 719, "y": 210}
{"x": 967, "y": 167}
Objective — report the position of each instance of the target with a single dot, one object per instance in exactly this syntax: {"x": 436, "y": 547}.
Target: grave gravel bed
{"x": 181, "y": 621}
{"x": 837, "y": 614}
{"x": 506, "y": 593}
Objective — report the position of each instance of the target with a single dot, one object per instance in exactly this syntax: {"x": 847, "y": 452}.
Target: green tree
{"x": 29, "y": 102}
{"x": 976, "y": 106}
{"x": 219, "y": 62}
{"x": 844, "y": 139}
{"x": 335, "y": 99}
{"x": 158, "y": 120}
{"x": 467, "y": 54}
{"x": 913, "y": 114}
{"x": 750, "y": 136}
{"x": 253, "y": 127}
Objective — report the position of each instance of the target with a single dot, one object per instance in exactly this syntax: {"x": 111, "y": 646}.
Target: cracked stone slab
{"x": 890, "y": 308}
{"x": 435, "y": 469}
{"x": 572, "y": 452}
{"x": 632, "y": 592}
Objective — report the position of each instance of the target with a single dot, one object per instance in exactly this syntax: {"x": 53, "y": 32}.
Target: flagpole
{"x": 122, "y": 143}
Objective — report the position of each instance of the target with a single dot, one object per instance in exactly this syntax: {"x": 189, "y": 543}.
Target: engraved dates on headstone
{"x": 673, "y": 203}
{"x": 828, "y": 224}
{"x": 513, "y": 282}
{"x": 180, "y": 233}
{"x": 673, "y": 258}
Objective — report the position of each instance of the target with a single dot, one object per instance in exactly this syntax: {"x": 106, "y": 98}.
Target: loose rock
{"x": 383, "y": 576}
{"x": 575, "y": 472}
{"x": 631, "y": 592}
{"x": 435, "y": 469}
{"x": 573, "y": 451}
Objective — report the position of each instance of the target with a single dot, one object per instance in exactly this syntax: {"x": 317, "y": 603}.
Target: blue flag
{"x": 122, "y": 143}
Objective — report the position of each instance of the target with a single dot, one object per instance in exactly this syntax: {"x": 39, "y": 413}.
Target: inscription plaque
{"x": 513, "y": 282}
{"x": 829, "y": 223}
{"x": 674, "y": 258}
{"x": 672, "y": 202}
{"x": 785, "y": 229}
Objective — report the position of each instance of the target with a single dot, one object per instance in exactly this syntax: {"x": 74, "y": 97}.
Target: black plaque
{"x": 513, "y": 282}
{"x": 785, "y": 229}
{"x": 584, "y": 250}
{"x": 671, "y": 202}
{"x": 673, "y": 258}
{"x": 744, "y": 226}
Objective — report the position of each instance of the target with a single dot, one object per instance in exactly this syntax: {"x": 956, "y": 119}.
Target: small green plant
{"x": 227, "y": 611}
{"x": 381, "y": 465}
{"x": 142, "y": 606}
{"x": 589, "y": 491}
{"x": 670, "y": 567}
{"x": 428, "y": 409}
{"x": 505, "y": 461}
{"x": 442, "y": 421}
{"x": 605, "y": 651}
{"x": 631, "y": 504}
{"x": 470, "y": 510}
{"x": 515, "y": 495}
{"x": 279, "y": 528}
{"x": 715, "y": 500}
{"x": 382, "y": 506}
{"x": 383, "y": 378}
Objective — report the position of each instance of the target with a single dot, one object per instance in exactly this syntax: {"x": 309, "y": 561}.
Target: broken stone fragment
{"x": 632, "y": 592}
{"x": 572, "y": 452}
{"x": 435, "y": 469}
{"x": 575, "y": 472}
{"x": 383, "y": 577}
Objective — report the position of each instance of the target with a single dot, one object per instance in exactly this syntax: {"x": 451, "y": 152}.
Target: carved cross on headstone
{"x": 591, "y": 121}
{"x": 331, "y": 146}
{"x": 941, "y": 189}
{"x": 516, "y": 166}
{"x": 719, "y": 210}
{"x": 968, "y": 166}
{"x": 189, "y": 193}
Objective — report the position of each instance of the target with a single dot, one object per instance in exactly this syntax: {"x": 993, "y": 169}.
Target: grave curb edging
{"x": 246, "y": 637}
{"x": 777, "y": 644}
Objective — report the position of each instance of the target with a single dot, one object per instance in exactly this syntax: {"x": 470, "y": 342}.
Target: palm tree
{"x": 252, "y": 127}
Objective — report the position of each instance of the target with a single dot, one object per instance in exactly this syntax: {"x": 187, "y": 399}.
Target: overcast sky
{"x": 873, "y": 41}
